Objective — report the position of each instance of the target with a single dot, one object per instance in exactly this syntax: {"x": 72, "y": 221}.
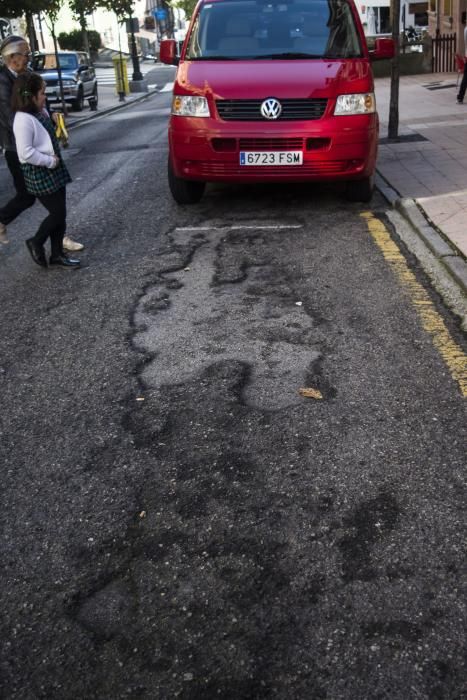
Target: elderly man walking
{"x": 16, "y": 54}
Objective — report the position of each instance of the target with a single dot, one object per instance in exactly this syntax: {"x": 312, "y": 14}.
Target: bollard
{"x": 122, "y": 86}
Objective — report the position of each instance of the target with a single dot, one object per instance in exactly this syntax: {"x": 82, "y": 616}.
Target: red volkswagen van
{"x": 273, "y": 91}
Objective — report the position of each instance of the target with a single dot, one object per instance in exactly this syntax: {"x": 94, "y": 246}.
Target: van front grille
{"x": 292, "y": 110}
{"x": 287, "y": 144}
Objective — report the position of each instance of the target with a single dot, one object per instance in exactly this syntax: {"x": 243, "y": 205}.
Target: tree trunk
{"x": 393, "y": 124}
{"x": 31, "y": 31}
{"x": 59, "y": 71}
{"x": 84, "y": 30}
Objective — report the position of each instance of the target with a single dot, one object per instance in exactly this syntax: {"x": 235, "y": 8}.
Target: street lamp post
{"x": 137, "y": 75}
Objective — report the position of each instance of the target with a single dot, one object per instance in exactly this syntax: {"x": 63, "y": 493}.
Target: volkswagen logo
{"x": 271, "y": 108}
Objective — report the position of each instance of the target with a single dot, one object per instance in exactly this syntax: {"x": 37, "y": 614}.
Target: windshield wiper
{"x": 289, "y": 55}
{"x": 213, "y": 58}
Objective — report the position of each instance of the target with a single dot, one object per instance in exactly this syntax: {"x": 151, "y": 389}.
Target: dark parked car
{"x": 78, "y": 77}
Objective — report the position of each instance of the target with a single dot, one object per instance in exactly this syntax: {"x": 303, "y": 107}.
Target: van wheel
{"x": 78, "y": 104}
{"x": 185, "y": 191}
{"x": 360, "y": 190}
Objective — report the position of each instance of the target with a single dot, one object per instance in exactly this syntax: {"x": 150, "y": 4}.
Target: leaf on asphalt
{"x": 310, "y": 393}
{"x": 142, "y": 514}
{"x": 140, "y": 398}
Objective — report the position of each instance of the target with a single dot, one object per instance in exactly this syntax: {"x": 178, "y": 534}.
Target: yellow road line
{"x": 450, "y": 351}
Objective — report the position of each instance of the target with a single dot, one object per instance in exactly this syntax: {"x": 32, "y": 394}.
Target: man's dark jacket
{"x": 7, "y": 138}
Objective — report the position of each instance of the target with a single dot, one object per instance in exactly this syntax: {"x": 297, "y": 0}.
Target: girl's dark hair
{"x": 25, "y": 88}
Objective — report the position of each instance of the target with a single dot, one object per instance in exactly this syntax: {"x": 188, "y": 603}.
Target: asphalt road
{"x": 177, "y": 520}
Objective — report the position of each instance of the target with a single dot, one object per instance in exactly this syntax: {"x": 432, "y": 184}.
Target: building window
{"x": 448, "y": 8}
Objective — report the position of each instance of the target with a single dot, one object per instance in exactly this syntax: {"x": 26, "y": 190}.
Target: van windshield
{"x": 280, "y": 29}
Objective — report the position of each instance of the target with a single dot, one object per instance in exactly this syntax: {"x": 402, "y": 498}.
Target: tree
{"x": 124, "y": 10}
{"x": 73, "y": 41}
{"x": 18, "y": 8}
{"x": 186, "y": 5}
{"x": 51, "y": 16}
{"x": 81, "y": 9}
{"x": 393, "y": 123}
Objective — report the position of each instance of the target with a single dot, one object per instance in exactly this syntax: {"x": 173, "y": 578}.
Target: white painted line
{"x": 274, "y": 226}
{"x": 168, "y": 87}
{"x": 237, "y": 228}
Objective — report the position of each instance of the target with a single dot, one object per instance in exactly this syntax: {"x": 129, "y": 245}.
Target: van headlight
{"x": 360, "y": 103}
{"x": 190, "y": 106}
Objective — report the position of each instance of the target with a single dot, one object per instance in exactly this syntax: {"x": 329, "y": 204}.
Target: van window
{"x": 284, "y": 29}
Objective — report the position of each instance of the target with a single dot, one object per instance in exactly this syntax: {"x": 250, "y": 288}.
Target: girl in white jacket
{"x": 44, "y": 171}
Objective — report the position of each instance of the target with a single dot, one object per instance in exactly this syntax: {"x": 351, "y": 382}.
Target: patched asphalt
{"x": 177, "y": 520}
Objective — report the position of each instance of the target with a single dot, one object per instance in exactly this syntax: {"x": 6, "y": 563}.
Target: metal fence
{"x": 444, "y": 53}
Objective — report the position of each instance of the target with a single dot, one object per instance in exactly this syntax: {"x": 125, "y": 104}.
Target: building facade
{"x": 376, "y": 16}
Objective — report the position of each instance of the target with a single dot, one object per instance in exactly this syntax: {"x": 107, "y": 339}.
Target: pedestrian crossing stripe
{"x": 452, "y": 354}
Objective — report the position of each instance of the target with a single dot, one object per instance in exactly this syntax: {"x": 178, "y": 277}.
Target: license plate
{"x": 271, "y": 157}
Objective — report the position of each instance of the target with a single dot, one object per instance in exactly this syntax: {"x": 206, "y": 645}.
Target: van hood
{"x": 260, "y": 79}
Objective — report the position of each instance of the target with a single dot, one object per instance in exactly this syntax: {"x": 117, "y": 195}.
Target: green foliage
{"x": 73, "y": 41}
{"x": 81, "y": 8}
{"x": 186, "y": 5}
{"x": 122, "y": 8}
{"x": 17, "y": 8}
{"x": 52, "y": 10}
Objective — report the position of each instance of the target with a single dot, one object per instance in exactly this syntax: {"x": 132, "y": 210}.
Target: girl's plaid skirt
{"x": 40, "y": 181}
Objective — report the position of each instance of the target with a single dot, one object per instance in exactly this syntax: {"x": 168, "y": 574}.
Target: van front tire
{"x": 360, "y": 190}
{"x": 184, "y": 191}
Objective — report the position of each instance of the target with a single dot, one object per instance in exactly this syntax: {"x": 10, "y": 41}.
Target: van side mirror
{"x": 168, "y": 52}
{"x": 384, "y": 48}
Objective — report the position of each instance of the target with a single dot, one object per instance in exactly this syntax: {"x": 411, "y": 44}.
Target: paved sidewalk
{"x": 109, "y": 100}
{"x": 429, "y": 164}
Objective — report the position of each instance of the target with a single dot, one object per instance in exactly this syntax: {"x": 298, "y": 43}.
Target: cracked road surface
{"x": 177, "y": 520}
{"x": 244, "y": 312}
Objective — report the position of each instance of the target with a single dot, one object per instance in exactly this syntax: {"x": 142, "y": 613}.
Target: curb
{"x": 414, "y": 214}
{"x": 99, "y": 113}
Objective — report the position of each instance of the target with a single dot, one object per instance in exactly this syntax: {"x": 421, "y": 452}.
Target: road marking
{"x": 450, "y": 351}
{"x": 274, "y": 227}
{"x": 168, "y": 87}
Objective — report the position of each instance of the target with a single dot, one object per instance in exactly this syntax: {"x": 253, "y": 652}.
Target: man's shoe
{"x": 3, "y": 238}
{"x": 70, "y": 244}
{"x": 37, "y": 252}
{"x": 64, "y": 261}
{"x": 459, "y": 102}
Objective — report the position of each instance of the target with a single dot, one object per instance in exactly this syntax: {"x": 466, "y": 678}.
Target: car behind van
{"x": 78, "y": 77}
{"x": 273, "y": 91}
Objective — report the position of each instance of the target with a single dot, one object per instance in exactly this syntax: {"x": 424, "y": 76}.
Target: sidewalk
{"x": 109, "y": 100}
{"x": 429, "y": 165}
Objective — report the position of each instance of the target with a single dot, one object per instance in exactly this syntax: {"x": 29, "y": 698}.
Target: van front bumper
{"x": 344, "y": 148}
